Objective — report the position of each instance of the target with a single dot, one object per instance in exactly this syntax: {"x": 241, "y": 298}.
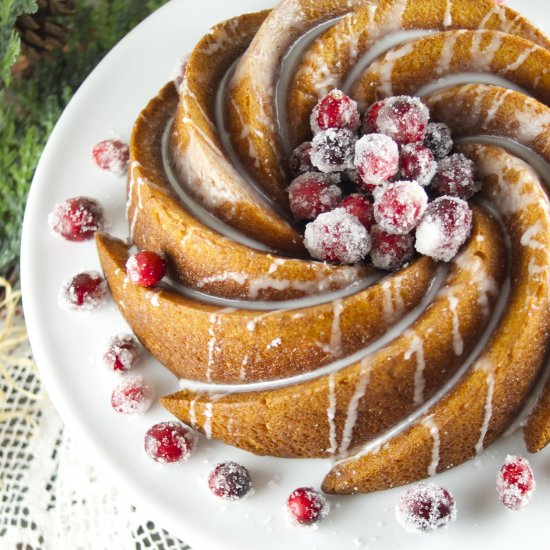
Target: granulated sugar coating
{"x": 446, "y": 225}
{"x": 85, "y": 291}
{"x": 169, "y": 442}
{"x": 122, "y": 352}
{"x": 515, "y": 482}
{"x": 417, "y": 163}
{"x": 76, "y": 219}
{"x": 335, "y": 110}
{"x": 403, "y": 118}
{"x": 361, "y": 207}
{"x": 307, "y": 506}
{"x": 230, "y": 481}
{"x": 438, "y": 139}
{"x": 455, "y": 176}
{"x": 300, "y": 159}
{"x": 134, "y": 395}
{"x": 424, "y": 508}
{"x": 337, "y": 236}
{"x": 390, "y": 252}
{"x": 376, "y": 158}
{"x": 333, "y": 150}
{"x": 111, "y": 155}
{"x": 313, "y": 193}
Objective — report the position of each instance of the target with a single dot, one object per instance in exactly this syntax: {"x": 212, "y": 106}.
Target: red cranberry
{"x": 83, "y": 292}
{"x": 359, "y": 206}
{"x": 134, "y": 395}
{"x": 444, "y": 228}
{"x": 370, "y": 125}
{"x": 230, "y": 480}
{"x": 403, "y": 118}
{"x": 76, "y": 219}
{"x": 455, "y": 176}
{"x": 438, "y": 139}
{"x": 399, "y": 206}
{"x": 425, "y": 508}
{"x": 307, "y": 506}
{"x": 515, "y": 482}
{"x": 112, "y": 156}
{"x": 169, "y": 442}
{"x": 300, "y": 159}
{"x": 390, "y": 252}
{"x": 376, "y": 158}
{"x": 337, "y": 236}
{"x": 332, "y": 150}
{"x": 335, "y": 110}
{"x": 312, "y": 194}
{"x": 417, "y": 163}
{"x": 146, "y": 268}
{"x": 122, "y": 353}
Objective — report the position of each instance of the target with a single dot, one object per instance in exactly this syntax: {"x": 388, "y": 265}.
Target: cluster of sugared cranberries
{"x": 515, "y": 482}
{"x": 409, "y": 193}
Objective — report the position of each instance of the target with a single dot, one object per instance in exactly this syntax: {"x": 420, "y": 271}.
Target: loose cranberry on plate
{"x": 146, "y": 268}
{"x": 444, "y": 228}
{"x": 403, "y": 118}
{"x": 359, "y": 206}
{"x": 424, "y": 508}
{"x": 337, "y": 236}
{"x": 111, "y": 155}
{"x": 134, "y": 395}
{"x": 312, "y": 194}
{"x": 300, "y": 159}
{"x": 333, "y": 150}
{"x": 122, "y": 353}
{"x": 335, "y": 110}
{"x": 455, "y": 176}
{"x": 169, "y": 442}
{"x": 376, "y": 158}
{"x": 417, "y": 163}
{"x": 515, "y": 482}
{"x": 390, "y": 252}
{"x": 230, "y": 481}
{"x": 76, "y": 219}
{"x": 85, "y": 291}
{"x": 438, "y": 139}
{"x": 307, "y": 506}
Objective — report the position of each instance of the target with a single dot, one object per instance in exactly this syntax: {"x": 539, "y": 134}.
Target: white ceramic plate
{"x": 65, "y": 344}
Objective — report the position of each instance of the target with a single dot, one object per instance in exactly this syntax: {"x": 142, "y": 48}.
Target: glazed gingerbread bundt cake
{"x": 395, "y": 373}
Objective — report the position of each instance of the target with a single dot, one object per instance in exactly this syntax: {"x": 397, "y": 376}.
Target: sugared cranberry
{"x": 332, "y": 150}
{"x": 312, "y": 194}
{"x": 376, "y": 158}
{"x": 230, "y": 480}
{"x": 168, "y": 442}
{"x": 371, "y": 116}
{"x": 360, "y": 207}
{"x": 337, "y": 236}
{"x": 76, "y": 219}
{"x": 515, "y": 482}
{"x": 438, "y": 139}
{"x": 307, "y": 506}
{"x": 134, "y": 395}
{"x": 425, "y": 508}
{"x": 403, "y": 118}
{"x": 300, "y": 159}
{"x": 417, "y": 163}
{"x": 83, "y": 292}
{"x": 335, "y": 110}
{"x": 455, "y": 176}
{"x": 112, "y": 156}
{"x": 390, "y": 252}
{"x": 399, "y": 206}
{"x": 146, "y": 268}
{"x": 444, "y": 228}
{"x": 122, "y": 353}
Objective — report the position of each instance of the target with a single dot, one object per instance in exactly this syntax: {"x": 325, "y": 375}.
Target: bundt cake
{"x": 395, "y": 375}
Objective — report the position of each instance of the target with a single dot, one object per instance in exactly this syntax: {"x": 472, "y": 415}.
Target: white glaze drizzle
{"x": 485, "y": 365}
{"x": 447, "y": 17}
{"x": 429, "y": 423}
{"x": 208, "y": 416}
{"x": 458, "y": 343}
{"x": 385, "y": 68}
{"x": 416, "y": 348}
{"x": 193, "y": 412}
{"x": 331, "y": 412}
{"x": 520, "y": 59}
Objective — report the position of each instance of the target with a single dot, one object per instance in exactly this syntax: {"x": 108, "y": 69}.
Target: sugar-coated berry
{"x": 122, "y": 353}
{"x": 376, "y": 158}
{"x": 300, "y": 159}
{"x": 335, "y": 110}
{"x": 438, "y": 139}
{"x": 424, "y": 508}
{"x": 398, "y": 206}
{"x": 332, "y": 150}
{"x": 370, "y": 125}
{"x": 111, "y": 155}
{"x": 361, "y": 207}
{"x": 455, "y": 176}
{"x": 230, "y": 481}
{"x": 169, "y": 442}
{"x": 338, "y": 237}
{"x": 515, "y": 482}
{"x": 76, "y": 219}
{"x": 417, "y": 163}
{"x": 403, "y": 118}
{"x": 85, "y": 291}
{"x": 134, "y": 395}
{"x": 444, "y": 228}
{"x": 390, "y": 252}
{"x": 307, "y": 506}
{"x": 146, "y": 268}
{"x": 312, "y": 194}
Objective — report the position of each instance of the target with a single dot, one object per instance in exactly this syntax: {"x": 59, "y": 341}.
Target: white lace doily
{"x": 51, "y": 497}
